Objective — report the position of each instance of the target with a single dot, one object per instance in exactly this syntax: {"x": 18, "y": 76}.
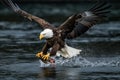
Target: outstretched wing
{"x": 23, "y": 13}
{"x": 77, "y": 24}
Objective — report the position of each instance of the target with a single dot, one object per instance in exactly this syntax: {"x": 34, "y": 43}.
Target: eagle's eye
{"x": 44, "y": 34}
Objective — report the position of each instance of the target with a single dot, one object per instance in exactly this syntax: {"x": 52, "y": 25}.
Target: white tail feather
{"x": 68, "y": 52}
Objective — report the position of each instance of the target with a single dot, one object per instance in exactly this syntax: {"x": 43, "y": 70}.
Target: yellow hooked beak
{"x": 41, "y": 36}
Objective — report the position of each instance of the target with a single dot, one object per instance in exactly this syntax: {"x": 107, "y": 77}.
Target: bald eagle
{"x": 73, "y": 27}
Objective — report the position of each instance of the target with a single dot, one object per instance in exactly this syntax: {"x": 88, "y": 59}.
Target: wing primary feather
{"x": 14, "y": 6}
{"x": 4, "y": 3}
{"x": 10, "y": 5}
{"x": 103, "y": 8}
{"x": 94, "y": 6}
{"x": 102, "y": 12}
{"x": 17, "y": 6}
{"x": 98, "y": 6}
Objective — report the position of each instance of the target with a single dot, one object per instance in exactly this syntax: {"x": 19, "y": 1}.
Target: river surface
{"x": 19, "y": 42}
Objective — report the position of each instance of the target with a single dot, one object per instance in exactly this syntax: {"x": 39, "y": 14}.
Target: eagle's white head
{"x": 46, "y": 33}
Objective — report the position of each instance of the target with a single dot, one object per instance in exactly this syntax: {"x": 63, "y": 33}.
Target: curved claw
{"x": 46, "y": 57}
{"x": 39, "y": 55}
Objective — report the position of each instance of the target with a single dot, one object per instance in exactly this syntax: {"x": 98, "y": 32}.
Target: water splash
{"x": 84, "y": 62}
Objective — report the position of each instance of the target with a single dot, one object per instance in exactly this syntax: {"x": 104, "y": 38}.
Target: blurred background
{"x": 19, "y": 40}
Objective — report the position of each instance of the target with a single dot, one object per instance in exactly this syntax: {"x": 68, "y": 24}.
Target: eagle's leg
{"x": 43, "y": 55}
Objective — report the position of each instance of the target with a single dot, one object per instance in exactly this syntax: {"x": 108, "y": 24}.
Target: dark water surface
{"x": 99, "y": 59}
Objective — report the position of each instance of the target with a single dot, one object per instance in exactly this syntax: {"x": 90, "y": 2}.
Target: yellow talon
{"x": 39, "y": 54}
{"x": 42, "y": 56}
{"x": 46, "y": 57}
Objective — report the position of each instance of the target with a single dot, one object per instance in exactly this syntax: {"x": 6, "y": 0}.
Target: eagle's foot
{"x": 43, "y": 57}
{"x": 39, "y": 55}
{"x": 46, "y": 57}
